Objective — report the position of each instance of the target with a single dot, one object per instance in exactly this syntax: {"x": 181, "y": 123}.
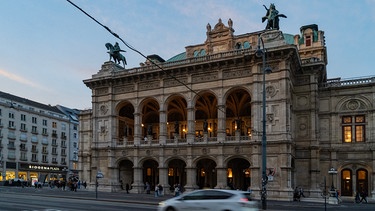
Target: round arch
{"x": 238, "y": 173}
{"x": 206, "y": 172}
{"x": 126, "y": 172}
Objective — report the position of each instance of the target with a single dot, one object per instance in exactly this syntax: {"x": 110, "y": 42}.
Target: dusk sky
{"x": 49, "y": 47}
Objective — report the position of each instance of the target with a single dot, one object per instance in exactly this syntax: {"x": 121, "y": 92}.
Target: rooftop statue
{"x": 272, "y": 16}
{"x": 114, "y": 52}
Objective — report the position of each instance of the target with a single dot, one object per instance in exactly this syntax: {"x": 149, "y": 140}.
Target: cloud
{"x": 21, "y": 80}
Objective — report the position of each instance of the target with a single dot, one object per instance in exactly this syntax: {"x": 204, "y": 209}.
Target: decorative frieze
{"x": 149, "y": 85}
{"x": 204, "y": 78}
{"x": 236, "y": 73}
{"x": 101, "y": 91}
{"x": 171, "y": 82}
{"x": 124, "y": 89}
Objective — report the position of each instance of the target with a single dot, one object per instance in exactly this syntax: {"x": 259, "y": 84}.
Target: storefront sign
{"x": 50, "y": 168}
{"x": 32, "y": 167}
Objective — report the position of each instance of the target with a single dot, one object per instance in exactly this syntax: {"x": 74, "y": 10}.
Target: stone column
{"x": 191, "y": 179}
{"x": 221, "y": 126}
{"x": 221, "y": 173}
{"x": 163, "y": 179}
{"x": 138, "y": 185}
{"x": 191, "y": 125}
{"x": 137, "y": 129}
{"x": 163, "y": 127}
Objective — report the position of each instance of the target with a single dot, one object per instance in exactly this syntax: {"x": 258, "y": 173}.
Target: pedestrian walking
{"x": 156, "y": 190}
{"x": 363, "y": 195}
{"x": 160, "y": 188}
{"x": 148, "y": 188}
{"x": 127, "y": 187}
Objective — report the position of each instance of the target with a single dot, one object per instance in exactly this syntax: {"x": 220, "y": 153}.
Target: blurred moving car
{"x": 210, "y": 199}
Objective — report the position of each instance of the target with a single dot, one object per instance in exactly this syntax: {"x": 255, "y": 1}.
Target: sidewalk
{"x": 87, "y": 194}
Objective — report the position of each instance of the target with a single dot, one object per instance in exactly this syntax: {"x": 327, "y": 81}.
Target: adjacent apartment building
{"x": 36, "y": 140}
{"x": 197, "y": 119}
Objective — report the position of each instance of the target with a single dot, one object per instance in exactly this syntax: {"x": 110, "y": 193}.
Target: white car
{"x": 210, "y": 199}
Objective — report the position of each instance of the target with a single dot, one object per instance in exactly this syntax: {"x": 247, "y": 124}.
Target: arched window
{"x": 246, "y": 45}
{"x": 346, "y": 182}
{"x": 196, "y": 53}
{"x": 203, "y": 52}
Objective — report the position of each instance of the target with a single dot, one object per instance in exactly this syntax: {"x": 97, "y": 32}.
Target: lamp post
{"x": 332, "y": 171}
{"x": 262, "y": 53}
{"x": 98, "y": 176}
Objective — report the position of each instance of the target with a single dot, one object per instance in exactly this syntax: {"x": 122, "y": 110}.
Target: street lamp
{"x": 332, "y": 171}
{"x": 99, "y": 175}
{"x": 262, "y": 53}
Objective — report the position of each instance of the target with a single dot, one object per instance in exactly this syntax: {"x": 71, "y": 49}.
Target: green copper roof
{"x": 289, "y": 39}
{"x": 178, "y": 57}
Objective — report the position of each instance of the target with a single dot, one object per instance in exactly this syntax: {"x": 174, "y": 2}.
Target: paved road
{"x": 149, "y": 199}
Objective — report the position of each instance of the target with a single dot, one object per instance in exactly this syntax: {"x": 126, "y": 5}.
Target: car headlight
{"x": 161, "y": 204}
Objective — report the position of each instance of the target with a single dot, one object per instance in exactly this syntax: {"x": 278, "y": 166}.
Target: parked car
{"x": 210, "y": 199}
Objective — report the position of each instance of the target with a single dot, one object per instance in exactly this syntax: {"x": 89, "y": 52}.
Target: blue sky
{"x": 49, "y": 47}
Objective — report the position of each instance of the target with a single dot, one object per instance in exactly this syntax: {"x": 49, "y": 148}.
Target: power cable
{"x": 132, "y": 48}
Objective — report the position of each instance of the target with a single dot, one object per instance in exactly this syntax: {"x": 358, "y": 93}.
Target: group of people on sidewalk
{"x": 159, "y": 190}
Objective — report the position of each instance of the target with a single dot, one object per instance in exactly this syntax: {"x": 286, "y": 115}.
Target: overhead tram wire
{"x": 132, "y": 48}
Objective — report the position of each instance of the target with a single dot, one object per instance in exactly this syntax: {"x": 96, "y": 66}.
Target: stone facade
{"x": 147, "y": 124}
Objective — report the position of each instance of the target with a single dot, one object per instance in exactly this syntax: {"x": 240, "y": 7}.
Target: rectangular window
{"x": 11, "y": 115}
{"x": 353, "y": 128}
{"x": 23, "y": 127}
{"x": 63, "y": 153}
{"x": 23, "y": 156}
{"x": 54, "y": 124}
{"x": 23, "y": 117}
{"x": 34, "y": 120}
{"x": 308, "y": 40}
{"x": 360, "y": 133}
{"x": 44, "y": 131}
{"x": 22, "y": 146}
{"x": 44, "y": 149}
{"x": 45, "y": 158}
{"x": 34, "y": 148}
{"x": 11, "y": 124}
{"x": 34, "y": 129}
{"x": 44, "y": 122}
{"x": 34, "y": 157}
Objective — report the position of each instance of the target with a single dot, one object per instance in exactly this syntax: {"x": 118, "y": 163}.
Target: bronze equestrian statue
{"x": 272, "y": 16}
{"x": 114, "y": 52}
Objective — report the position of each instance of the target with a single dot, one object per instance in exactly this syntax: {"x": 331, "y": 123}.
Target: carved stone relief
{"x": 236, "y": 73}
{"x": 103, "y": 109}
{"x": 302, "y": 126}
{"x": 302, "y": 101}
{"x": 149, "y": 85}
{"x": 352, "y": 105}
{"x": 102, "y": 91}
{"x": 271, "y": 91}
{"x": 124, "y": 89}
{"x": 204, "y": 78}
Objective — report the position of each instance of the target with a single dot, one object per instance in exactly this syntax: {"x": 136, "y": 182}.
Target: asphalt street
{"x": 150, "y": 199}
